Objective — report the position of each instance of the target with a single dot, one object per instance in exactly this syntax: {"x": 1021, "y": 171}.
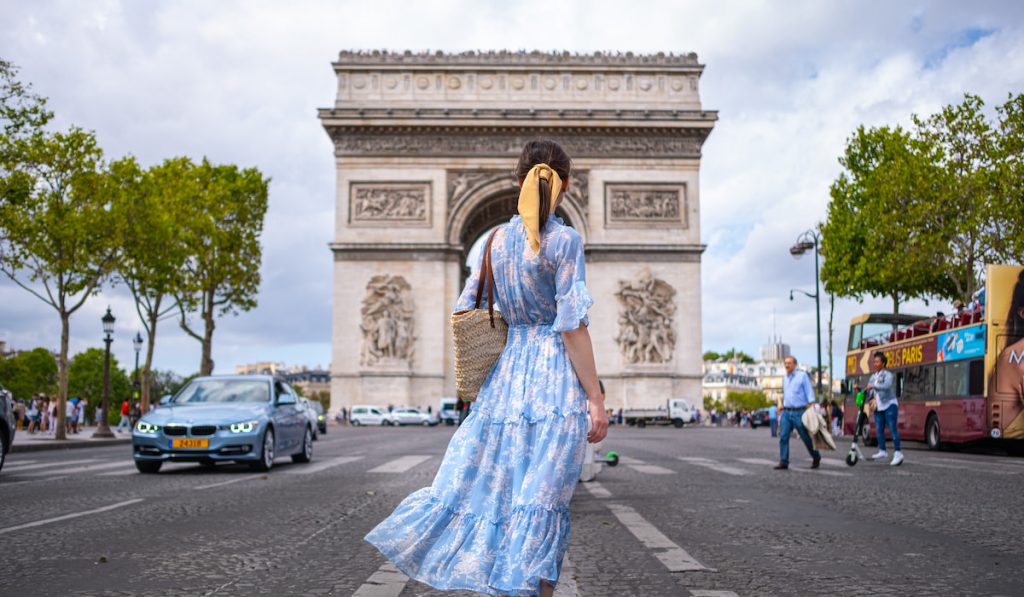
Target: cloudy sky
{"x": 240, "y": 81}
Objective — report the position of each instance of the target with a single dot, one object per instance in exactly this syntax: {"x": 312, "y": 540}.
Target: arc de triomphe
{"x": 424, "y": 146}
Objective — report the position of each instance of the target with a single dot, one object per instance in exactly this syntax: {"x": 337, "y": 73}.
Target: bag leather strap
{"x": 487, "y": 276}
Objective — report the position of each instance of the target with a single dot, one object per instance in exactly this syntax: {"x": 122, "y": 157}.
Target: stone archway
{"x": 424, "y": 145}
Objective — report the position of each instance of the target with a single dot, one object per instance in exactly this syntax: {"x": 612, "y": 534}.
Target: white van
{"x": 364, "y": 414}
{"x": 447, "y": 413}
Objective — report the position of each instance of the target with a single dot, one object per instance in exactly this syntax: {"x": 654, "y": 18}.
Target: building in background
{"x": 266, "y": 368}
{"x": 717, "y": 385}
{"x": 767, "y": 372}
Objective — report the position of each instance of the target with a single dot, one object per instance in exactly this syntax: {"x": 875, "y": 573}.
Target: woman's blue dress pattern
{"x": 496, "y": 517}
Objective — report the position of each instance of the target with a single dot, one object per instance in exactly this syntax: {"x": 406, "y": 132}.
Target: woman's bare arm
{"x": 581, "y": 353}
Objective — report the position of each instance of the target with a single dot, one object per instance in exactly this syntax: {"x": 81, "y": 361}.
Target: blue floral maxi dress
{"x": 496, "y": 517}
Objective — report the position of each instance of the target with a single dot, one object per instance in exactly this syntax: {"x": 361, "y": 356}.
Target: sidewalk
{"x": 23, "y": 442}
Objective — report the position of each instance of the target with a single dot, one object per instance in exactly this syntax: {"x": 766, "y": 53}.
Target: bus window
{"x": 899, "y": 385}
{"x": 919, "y": 383}
{"x": 956, "y": 379}
{"x": 976, "y": 378}
{"x": 855, "y": 337}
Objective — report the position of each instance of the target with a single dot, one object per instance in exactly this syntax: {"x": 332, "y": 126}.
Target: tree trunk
{"x": 206, "y": 365}
{"x": 147, "y": 373}
{"x": 895, "y": 307}
{"x": 62, "y": 376}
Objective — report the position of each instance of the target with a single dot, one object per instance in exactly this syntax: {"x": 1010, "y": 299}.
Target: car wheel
{"x": 425, "y": 423}
{"x": 148, "y": 467}
{"x": 307, "y": 448}
{"x": 932, "y": 433}
{"x": 3, "y": 448}
{"x": 266, "y": 461}
{"x": 678, "y": 423}
{"x": 641, "y": 423}
{"x": 356, "y": 423}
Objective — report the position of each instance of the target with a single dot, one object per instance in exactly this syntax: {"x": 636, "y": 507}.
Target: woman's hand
{"x": 598, "y": 421}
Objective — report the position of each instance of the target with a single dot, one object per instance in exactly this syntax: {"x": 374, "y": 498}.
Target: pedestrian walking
{"x": 837, "y": 419}
{"x": 797, "y": 396}
{"x": 496, "y": 518}
{"x": 52, "y": 410}
{"x": 887, "y": 410}
{"x": 81, "y": 415}
{"x": 773, "y": 420}
{"x": 125, "y": 420}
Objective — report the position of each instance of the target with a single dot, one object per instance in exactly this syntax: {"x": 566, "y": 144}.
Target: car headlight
{"x": 246, "y": 427}
{"x": 144, "y": 427}
{"x": 320, "y": 418}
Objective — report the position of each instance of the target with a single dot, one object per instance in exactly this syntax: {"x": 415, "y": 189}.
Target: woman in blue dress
{"x": 496, "y": 518}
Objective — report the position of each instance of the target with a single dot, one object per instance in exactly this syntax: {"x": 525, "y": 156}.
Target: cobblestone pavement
{"x": 692, "y": 512}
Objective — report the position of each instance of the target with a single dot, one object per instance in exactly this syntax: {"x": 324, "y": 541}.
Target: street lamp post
{"x": 102, "y": 427}
{"x": 808, "y": 241}
{"x": 137, "y": 344}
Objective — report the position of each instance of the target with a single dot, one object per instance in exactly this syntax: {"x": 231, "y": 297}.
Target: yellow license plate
{"x": 190, "y": 443}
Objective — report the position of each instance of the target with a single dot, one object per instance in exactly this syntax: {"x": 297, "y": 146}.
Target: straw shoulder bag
{"x": 479, "y": 335}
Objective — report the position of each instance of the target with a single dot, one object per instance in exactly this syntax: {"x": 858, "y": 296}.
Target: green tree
{"x": 86, "y": 381}
{"x": 739, "y": 355}
{"x": 746, "y": 400}
{"x": 165, "y": 383}
{"x": 28, "y": 373}
{"x": 56, "y": 233}
{"x": 152, "y": 211}
{"x": 1008, "y": 196}
{"x": 873, "y": 240}
{"x": 221, "y": 274}
{"x": 712, "y": 356}
{"x": 22, "y": 113}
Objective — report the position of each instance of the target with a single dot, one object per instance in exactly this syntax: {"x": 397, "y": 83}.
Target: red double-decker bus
{"x": 959, "y": 378}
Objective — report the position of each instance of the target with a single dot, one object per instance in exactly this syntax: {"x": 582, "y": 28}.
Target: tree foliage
{"x": 919, "y": 212}
{"x": 730, "y": 354}
{"x": 29, "y": 373}
{"x": 85, "y": 380}
{"x": 746, "y": 400}
{"x": 221, "y": 274}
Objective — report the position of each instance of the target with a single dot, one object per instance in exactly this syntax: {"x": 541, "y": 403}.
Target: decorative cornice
{"x": 505, "y": 58}
{"x": 342, "y": 114}
{"x": 441, "y": 141}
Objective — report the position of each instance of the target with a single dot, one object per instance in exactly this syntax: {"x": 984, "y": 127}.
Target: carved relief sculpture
{"x": 646, "y": 312}
{"x": 387, "y": 324}
{"x": 389, "y": 204}
{"x": 631, "y": 205}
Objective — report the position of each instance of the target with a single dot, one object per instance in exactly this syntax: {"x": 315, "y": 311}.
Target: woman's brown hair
{"x": 544, "y": 151}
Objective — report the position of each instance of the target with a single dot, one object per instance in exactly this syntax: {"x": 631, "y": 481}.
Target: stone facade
{"x": 424, "y": 147}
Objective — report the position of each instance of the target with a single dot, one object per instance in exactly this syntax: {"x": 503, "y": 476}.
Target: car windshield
{"x": 205, "y": 391}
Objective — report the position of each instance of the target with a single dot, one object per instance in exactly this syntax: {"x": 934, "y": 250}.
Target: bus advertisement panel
{"x": 1004, "y": 354}
{"x": 965, "y": 343}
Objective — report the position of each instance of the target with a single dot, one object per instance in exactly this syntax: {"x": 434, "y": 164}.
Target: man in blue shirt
{"x": 773, "y": 420}
{"x": 797, "y": 395}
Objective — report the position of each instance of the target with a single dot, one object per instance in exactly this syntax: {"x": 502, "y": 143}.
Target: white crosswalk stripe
{"x": 316, "y": 467}
{"x": 642, "y": 467}
{"x": 715, "y": 466}
{"x": 82, "y": 470}
{"x": 387, "y": 581}
{"x": 17, "y": 468}
{"x": 711, "y": 593}
{"x": 675, "y": 558}
{"x": 766, "y": 462}
{"x": 400, "y": 465}
{"x": 597, "y": 490}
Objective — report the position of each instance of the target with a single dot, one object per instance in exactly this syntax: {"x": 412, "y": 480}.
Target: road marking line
{"x": 567, "y": 582}
{"x": 400, "y": 465}
{"x": 715, "y": 466}
{"x": 630, "y": 460}
{"x": 25, "y": 467}
{"x": 9, "y": 484}
{"x": 37, "y": 523}
{"x": 767, "y": 462}
{"x": 964, "y": 468}
{"x": 81, "y": 469}
{"x": 387, "y": 581}
{"x": 131, "y": 471}
{"x": 307, "y": 469}
{"x": 229, "y": 482}
{"x": 20, "y": 463}
{"x": 597, "y": 490}
{"x": 651, "y": 469}
{"x": 671, "y": 555}
{"x": 1000, "y": 462}
{"x": 709, "y": 593}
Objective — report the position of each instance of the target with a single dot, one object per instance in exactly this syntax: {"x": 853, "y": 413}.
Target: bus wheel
{"x": 932, "y": 434}
{"x": 641, "y": 423}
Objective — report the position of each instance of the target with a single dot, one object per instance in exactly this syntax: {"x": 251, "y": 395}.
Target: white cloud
{"x": 240, "y": 81}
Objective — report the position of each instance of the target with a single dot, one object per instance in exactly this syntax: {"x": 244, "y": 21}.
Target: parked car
{"x": 410, "y": 416}
{"x": 759, "y": 418}
{"x": 321, "y": 418}
{"x": 448, "y": 413}
{"x": 362, "y": 414}
{"x": 240, "y": 418}
{"x": 307, "y": 407}
{"x": 7, "y": 426}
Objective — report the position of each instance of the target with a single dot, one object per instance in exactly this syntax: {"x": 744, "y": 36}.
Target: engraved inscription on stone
{"x": 646, "y": 311}
{"x": 387, "y": 323}
{"x": 638, "y": 206}
{"x": 389, "y": 203}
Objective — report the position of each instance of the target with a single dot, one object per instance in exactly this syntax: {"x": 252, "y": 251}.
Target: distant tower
{"x": 775, "y": 351}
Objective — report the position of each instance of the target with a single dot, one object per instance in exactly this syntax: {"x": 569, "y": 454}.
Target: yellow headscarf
{"x": 529, "y": 200}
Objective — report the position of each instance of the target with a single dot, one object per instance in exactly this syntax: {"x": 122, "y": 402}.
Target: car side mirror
{"x": 165, "y": 399}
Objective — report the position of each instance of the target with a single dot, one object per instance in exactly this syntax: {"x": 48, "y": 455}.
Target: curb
{"x": 68, "y": 445}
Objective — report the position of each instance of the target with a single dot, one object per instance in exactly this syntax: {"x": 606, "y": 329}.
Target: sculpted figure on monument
{"x": 387, "y": 320}
{"x": 389, "y": 203}
{"x": 647, "y": 307}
